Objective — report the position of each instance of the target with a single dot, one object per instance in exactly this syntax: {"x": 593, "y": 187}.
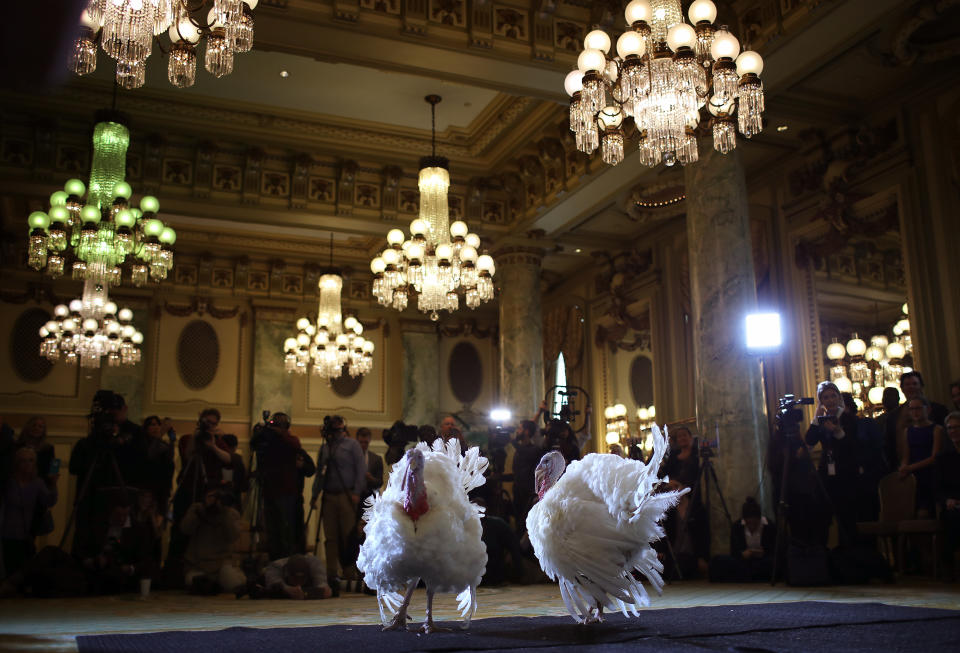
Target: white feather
{"x": 594, "y": 527}
{"x": 443, "y": 547}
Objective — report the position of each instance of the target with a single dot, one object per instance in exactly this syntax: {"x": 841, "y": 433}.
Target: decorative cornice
{"x": 519, "y": 255}
{"x": 217, "y": 116}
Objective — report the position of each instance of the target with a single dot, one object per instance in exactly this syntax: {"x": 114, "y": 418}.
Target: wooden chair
{"x": 897, "y": 504}
{"x": 924, "y": 526}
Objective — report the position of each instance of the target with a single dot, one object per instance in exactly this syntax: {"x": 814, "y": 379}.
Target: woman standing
{"x": 25, "y": 499}
{"x": 34, "y": 435}
{"x": 919, "y": 445}
{"x": 835, "y": 429}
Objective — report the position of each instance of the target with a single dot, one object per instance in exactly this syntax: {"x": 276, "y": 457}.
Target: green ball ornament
{"x": 125, "y": 218}
{"x": 90, "y": 213}
{"x": 59, "y": 214}
{"x": 38, "y": 220}
{"x": 153, "y": 228}
{"x": 74, "y": 187}
{"x": 58, "y": 198}
{"x": 149, "y": 204}
{"x": 122, "y": 189}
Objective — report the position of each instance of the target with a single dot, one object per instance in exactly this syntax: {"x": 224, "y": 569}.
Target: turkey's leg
{"x": 428, "y": 625}
{"x": 400, "y": 619}
{"x": 596, "y": 615}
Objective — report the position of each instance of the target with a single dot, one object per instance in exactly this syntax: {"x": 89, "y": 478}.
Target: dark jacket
{"x": 843, "y": 451}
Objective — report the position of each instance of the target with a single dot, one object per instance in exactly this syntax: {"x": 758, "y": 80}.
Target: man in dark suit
{"x": 374, "y": 463}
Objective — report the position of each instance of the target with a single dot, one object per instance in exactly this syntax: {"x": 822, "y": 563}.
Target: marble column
{"x": 272, "y": 384}
{"x": 729, "y": 383}
{"x": 421, "y": 372}
{"x": 521, "y": 330}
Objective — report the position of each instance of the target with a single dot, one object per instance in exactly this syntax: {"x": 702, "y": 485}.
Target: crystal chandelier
{"x": 864, "y": 370}
{"x": 90, "y": 328}
{"x": 665, "y": 72}
{"x": 125, "y": 30}
{"x": 618, "y": 430}
{"x": 95, "y": 235}
{"x": 440, "y": 260}
{"x": 332, "y": 343}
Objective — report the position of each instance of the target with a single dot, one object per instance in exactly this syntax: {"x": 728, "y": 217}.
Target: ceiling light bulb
{"x": 702, "y": 11}
{"x": 725, "y": 44}
{"x": 749, "y": 62}
{"x": 591, "y": 60}
{"x": 597, "y": 40}
{"x": 681, "y": 35}
{"x": 395, "y": 237}
{"x": 184, "y": 31}
{"x": 630, "y": 43}
{"x": 459, "y": 229}
{"x": 573, "y": 82}
{"x": 637, "y": 10}
{"x": 377, "y": 265}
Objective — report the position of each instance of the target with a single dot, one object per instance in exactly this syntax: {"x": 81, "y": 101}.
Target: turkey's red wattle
{"x": 414, "y": 497}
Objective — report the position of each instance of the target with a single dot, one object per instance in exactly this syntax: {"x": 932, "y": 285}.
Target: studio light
{"x": 763, "y": 332}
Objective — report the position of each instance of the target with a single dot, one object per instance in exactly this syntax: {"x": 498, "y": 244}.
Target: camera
{"x": 788, "y": 415}
{"x": 400, "y": 434}
{"x": 821, "y": 419}
{"x": 103, "y": 424}
{"x": 268, "y": 429}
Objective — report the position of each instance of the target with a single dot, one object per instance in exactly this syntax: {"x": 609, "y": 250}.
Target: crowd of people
{"x": 226, "y": 524}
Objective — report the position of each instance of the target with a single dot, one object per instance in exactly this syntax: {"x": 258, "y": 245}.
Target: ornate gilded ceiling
{"x": 256, "y": 160}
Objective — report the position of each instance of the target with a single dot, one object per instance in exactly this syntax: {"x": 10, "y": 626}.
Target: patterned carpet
{"x": 51, "y": 625}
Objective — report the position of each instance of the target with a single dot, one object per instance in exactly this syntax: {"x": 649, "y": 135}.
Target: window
{"x": 560, "y": 380}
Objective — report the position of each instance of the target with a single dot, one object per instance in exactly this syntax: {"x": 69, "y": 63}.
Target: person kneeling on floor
{"x": 213, "y": 529}
{"x": 296, "y": 577}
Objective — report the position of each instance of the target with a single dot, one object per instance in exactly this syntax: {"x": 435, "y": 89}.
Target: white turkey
{"x": 593, "y": 526}
{"x": 424, "y": 526}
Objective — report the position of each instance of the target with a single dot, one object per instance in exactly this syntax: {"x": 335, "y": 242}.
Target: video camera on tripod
{"x": 788, "y": 416}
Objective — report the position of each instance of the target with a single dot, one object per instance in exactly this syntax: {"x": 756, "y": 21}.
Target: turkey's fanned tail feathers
{"x": 591, "y": 551}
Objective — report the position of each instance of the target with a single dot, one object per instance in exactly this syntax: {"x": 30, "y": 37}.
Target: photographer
{"x": 687, "y": 525}
{"x": 526, "y": 457}
{"x": 342, "y": 477}
{"x": 299, "y": 577}
{"x": 836, "y": 431}
{"x": 397, "y": 438}
{"x": 96, "y": 461}
{"x": 279, "y": 479}
{"x": 213, "y": 529}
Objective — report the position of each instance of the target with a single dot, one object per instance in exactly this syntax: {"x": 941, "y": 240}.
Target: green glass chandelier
{"x": 94, "y": 230}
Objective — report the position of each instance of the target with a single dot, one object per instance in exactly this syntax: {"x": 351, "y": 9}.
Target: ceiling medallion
{"x": 665, "y": 72}
{"x": 440, "y": 260}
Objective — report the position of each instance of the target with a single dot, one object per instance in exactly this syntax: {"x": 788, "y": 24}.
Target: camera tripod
{"x": 783, "y": 504}
{"x": 708, "y": 474}
{"x": 103, "y": 456}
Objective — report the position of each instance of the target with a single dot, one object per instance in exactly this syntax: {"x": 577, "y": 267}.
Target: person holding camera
{"x": 526, "y": 457}
{"x": 835, "y": 429}
{"x": 342, "y": 478}
{"x": 212, "y": 529}
{"x": 278, "y": 474}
